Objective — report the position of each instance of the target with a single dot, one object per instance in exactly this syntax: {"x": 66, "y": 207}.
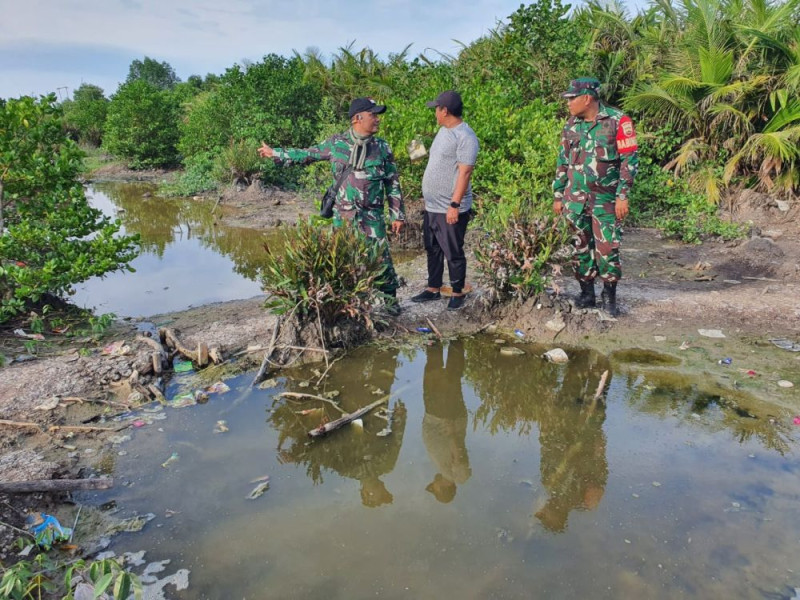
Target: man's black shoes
{"x": 426, "y": 296}
{"x": 456, "y": 302}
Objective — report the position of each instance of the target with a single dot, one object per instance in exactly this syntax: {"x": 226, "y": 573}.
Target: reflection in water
{"x": 188, "y": 257}
{"x": 444, "y": 426}
{"x": 672, "y": 487}
{"x": 354, "y": 452}
{"x": 573, "y": 446}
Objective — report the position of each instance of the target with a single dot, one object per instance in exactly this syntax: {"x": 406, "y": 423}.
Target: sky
{"x": 55, "y": 45}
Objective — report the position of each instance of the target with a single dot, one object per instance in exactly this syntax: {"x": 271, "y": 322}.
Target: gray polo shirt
{"x": 450, "y": 147}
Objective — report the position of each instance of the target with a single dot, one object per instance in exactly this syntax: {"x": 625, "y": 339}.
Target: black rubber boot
{"x": 587, "y": 297}
{"x": 609, "y": 298}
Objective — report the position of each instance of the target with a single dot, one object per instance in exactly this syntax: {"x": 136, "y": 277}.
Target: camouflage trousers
{"x": 372, "y": 225}
{"x": 596, "y": 238}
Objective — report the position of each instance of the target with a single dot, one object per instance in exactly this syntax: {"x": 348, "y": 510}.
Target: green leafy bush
{"x": 142, "y": 125}
{"x": 196, "y": 177}
{"x": 50, "y": 238}
{"x": 330, "y": 272}
{"x": 237, "y": 163}
{"x": 85, "y": 114}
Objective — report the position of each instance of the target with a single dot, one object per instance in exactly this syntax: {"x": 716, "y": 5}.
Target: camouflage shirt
{"x": 362, "y": 190}
{"x": 597, "y": 159}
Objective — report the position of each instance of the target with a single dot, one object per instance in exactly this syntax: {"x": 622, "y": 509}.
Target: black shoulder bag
{"x": 329, "y": 198}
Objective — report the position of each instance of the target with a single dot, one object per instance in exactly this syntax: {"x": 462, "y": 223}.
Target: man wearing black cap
{"x": 448, "y": 199}
{"x": 372, "y": 175}
{"x": 597, "y": 162}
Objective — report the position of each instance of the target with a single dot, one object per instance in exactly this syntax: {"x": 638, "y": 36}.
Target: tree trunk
{"x": 2, "y": 218}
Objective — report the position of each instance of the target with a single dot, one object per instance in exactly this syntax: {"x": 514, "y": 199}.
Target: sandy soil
{"x": 748, "y": 289}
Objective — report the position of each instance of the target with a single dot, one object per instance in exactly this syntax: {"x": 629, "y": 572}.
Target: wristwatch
{"x": 455, "y": 205}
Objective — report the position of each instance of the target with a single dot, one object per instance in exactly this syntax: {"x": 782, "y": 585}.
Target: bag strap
{"x": 339, "y": 180}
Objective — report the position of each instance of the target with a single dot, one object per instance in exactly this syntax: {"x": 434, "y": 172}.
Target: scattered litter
{"x": 424, "y": 329}
{"x": 221, "y": 427}
{"x": 785, "y": 384}
{"x": 660, "y": 338}
{"x": 785, "y": 344}
{"x": 685, "y": 346}
{"x": 259, "y": 490}
{"x": 183, "y": 400}
{"x": 304, "y": 384}
{"x": 416, "y": 149}
{"x": 656, "y": 484}
{"x": 118, "y": 348}
{"x": 556, "y": 355}
{"x": 519, "y": 333}
{"x": 499, "y": 341}
{"x": 511, "y": 351}
{"x": 731, "y": 281}
{"x": 711, "y": 333}
{"x": 331, "y": 395}
{"x": 173, "y": 458}
{"x": 218, "y": 388}
{"x": 139, "y": 423}
{"x": 725, "y": 361}
{"x": 116, "y": 440}
{"x": 46, "y": 529}
{"x": 358, "y": 423}
{"x": 308, "y": 411}
{"x": 751, "y": 373}
{"x": 259, "y": 479}
{"x": 31, "y": 336}
{"x": 796, "y": 421}
{"x": 182, "y": 366}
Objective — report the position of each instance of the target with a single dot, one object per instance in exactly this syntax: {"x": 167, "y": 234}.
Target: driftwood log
{"x": 55, "y": 485}
{"x": 200, "y": 356}
{"x": 326, "y": 428}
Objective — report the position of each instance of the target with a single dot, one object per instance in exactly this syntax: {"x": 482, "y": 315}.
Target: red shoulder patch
{"x": 626, "y": 136}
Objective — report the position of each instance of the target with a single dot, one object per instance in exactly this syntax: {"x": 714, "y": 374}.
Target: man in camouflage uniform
{"x": 597, "y": 162}
{"x": 373, "y": 175}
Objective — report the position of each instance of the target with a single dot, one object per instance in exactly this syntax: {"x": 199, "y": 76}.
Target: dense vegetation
{"x": 50, "y": 238}
{"x": 712, "y": 85}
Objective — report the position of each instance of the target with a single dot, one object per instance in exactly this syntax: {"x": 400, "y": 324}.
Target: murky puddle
{"x": 188, "y": 258}
{"x": 501, "y": 479}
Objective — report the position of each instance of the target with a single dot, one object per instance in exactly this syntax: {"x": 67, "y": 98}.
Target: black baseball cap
{"x": 450, "y": 100}
{"x": 365, "y": 104}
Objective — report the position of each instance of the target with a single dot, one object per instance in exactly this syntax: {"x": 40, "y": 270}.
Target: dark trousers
{"x": 443, "y": 241}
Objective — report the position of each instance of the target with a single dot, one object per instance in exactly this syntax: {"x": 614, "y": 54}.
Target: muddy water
{"x": 501, "y": 479}
{"x": 187, "y": 259}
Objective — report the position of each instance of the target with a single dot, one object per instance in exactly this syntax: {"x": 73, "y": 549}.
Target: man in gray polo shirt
{"x": 448, "y": 199}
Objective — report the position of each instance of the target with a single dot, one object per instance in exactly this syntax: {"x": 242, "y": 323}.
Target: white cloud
{"x": 50, "y": 43}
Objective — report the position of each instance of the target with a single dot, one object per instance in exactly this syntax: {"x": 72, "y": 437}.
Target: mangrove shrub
{"x": 50, "y": 238}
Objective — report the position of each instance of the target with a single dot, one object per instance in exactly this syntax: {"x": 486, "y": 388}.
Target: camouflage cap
{"x": 581, "y": 86}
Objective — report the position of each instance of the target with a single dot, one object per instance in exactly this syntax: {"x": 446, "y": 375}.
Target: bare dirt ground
{"x": 749, "y": 290}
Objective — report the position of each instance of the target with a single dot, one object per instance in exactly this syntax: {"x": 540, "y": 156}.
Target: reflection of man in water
{"x": 573, "y": 446}
{"x": 352, "y": 452}
{"x": 444, "y": 426}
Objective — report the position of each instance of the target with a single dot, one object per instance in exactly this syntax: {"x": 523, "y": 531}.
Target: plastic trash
{"x": 118, "y": 348}
{"x": 47, "y": 530}
{"x": 725, "y": 361}
{"x": 221, "y": 427}
{"x": 183, "y": 400}
{"x": 31, "y": 336}
{"x": 797, "y": 420}
{"x": 259, "y": 490}
{"x": 785, "y": 344}
{"x": 785, "y": 384}
{"x": 424, "y": 329}
{"x": 182, "y": 366}
{"x": 519, "y": 333}
{"x": 416, "y": 149}
{"x": 556, "y": 355}
{"x": 711, "y": 333}
{"x": 173, "y": 458}
{"x": 218, "y": 388}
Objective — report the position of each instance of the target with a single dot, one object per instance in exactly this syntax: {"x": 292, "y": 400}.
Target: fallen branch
{"x": 79, "y": 428}
{"x": 433, "y": 328}
{"x": 21, "y": 424}
{"x": 311, "y": 397}
{"x": 199, "y": 356}
{"x": 262, "y": 370}
{"x": 55, "y": 485}
{"x": 326, "y": 428}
